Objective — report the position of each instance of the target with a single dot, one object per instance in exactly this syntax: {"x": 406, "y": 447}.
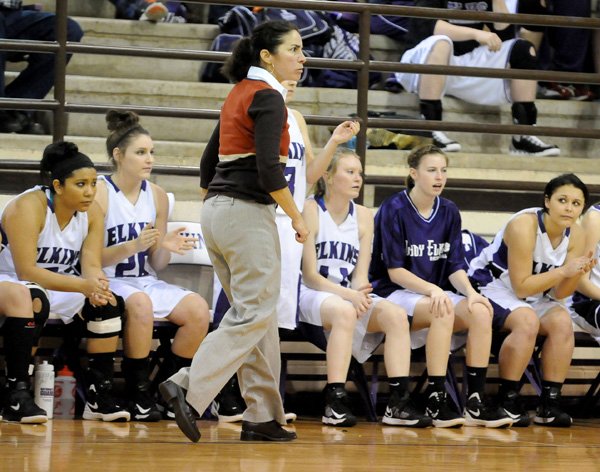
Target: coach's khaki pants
{"x": 243, "y": 244}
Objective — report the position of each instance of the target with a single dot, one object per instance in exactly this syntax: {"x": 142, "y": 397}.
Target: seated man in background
{"x": 560, "y": 49}
{"x": 470, "y": 43}
{"x": 36, "y": 80}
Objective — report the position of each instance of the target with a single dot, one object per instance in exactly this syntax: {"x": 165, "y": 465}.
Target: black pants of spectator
{"x": 570, "y": 46}
{"x": 36, "y": 80}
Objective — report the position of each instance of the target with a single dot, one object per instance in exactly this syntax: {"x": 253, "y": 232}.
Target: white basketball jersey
{"x": 595, "y": 273}
{"x": 295, "y": 168}
{"x": 125, "y": 221}
{"x": 58, "y": 249}
{"x": 337, "y": 246}
{"x": 492, "y": 263}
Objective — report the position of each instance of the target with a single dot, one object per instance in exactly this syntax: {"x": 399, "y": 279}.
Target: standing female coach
{"x": 242, "y": 178}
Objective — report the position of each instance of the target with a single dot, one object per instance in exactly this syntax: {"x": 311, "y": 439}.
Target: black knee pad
{"x": 40, "y": 317}
{"x": 520, "y": 56}
{"x": 103, "y": 321}
{"x": 533, "y": 7}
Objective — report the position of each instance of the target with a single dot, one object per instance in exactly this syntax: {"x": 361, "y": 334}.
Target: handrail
{"x": 313, "y": 62}
{"x": 11, "y": 165}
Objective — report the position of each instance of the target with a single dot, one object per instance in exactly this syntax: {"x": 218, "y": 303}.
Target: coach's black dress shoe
{"x": 269, "y": 431}
{"x": 185, "y": 419}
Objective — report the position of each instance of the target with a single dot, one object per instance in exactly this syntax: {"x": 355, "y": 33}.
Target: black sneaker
{"x": 229, "y": 405}
{"x": 441, "y": 413}
{"x": 444, "y": 142}
{"x": 21, "y": 408}
{"x": 400, "y": 411}
{"x": 478, "y": 413}
{"x": 337, "y": 408}
{"x": 532, "y": 146}
{"x": 549, "y": 412}
{"x": 511, "y": 405}
{"x": 166, "y": 412}
{"x": 142, "y": 406}
{"x": 100, "y": 404}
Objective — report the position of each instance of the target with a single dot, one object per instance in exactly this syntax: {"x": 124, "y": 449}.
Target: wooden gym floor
{"x": 88, "y": 446}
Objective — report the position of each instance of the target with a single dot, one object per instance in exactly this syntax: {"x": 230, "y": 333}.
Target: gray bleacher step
{"x": 144, "y": 34}
{"x": 389, "y": 163}
{"x": 109, "y": 31}
{"x": 487, "y": 166}
{"x": 169, "y": 153}
{"x": 318, "y": 101}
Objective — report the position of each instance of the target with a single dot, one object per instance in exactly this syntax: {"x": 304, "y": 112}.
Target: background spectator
{"x": 36, "y": 80}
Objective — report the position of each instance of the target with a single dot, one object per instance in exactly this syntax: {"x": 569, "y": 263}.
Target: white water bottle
{"x": 64, "y": 394}
{"x": 44, "y": 387}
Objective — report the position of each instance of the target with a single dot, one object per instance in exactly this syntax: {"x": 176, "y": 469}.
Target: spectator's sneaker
{"x": 549, "y": 412}
{"x": 229, "y": 405}
{"x": 581, "y": 93}
{"x": 444, "y": 142}
{"x": 100, "y": 404}
{"x": 532, "y": 146}
{"x": 21, "y": 408}
{"x": 142, "y": 407}
{"x": 392, "y": 85}
{"x": 441, "y": 413}
{"x": 553, "y": 91}
{"x": 155, "y": 12}
{"x": 478, "y": 413}
{"x": 400, "y": 411}
{"x": 511, "y": 405}
{"x": 337, "y": 408}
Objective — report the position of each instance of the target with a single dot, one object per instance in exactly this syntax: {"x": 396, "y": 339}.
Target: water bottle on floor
{"x": 64, "y": 394}
{"x": 44, "y": 387}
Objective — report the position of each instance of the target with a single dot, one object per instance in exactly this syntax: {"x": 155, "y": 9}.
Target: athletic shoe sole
{"x": 37, "y": 419}
{"x": 546, "y": 152}
{"x": 499, "y": 423}
{"x": 419, "y": 423}
{"x": 453, "y": 423}
{"x": 552, "y": 422}
{"x": 338, "y": 422}
{"x": 88, "y": 414}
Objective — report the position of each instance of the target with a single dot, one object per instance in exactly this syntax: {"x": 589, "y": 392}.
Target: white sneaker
{"x": 155, "y": 12}
{"x": 532, "y": 146}
{"x": 444, "y": 142}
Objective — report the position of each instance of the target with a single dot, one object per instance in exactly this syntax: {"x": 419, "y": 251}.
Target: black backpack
{"x": 320, "y": 38}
